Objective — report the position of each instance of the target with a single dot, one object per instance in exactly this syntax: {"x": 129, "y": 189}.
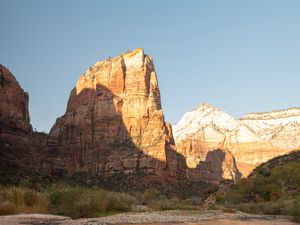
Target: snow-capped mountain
{"x": 251, "y": 139}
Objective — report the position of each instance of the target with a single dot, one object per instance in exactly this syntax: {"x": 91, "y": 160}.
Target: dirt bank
{"x": 154, "y": 218}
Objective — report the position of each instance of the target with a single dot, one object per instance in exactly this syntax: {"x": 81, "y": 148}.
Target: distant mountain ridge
{"x": 252, "y": 139}
{"x": 114, "y": 124}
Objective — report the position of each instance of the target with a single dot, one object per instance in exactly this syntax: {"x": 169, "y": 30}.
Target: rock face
{"x": 13, "y": 101}
{"x": 114, "y": 122}
{"x": 245, "y": 142}
{"x": 20, "y": 148}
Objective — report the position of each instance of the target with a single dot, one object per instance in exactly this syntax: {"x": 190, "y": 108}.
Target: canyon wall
{"x": 245, "y": 142}
{"x": 21, "y": 149}
{"x": 114, "y": 122}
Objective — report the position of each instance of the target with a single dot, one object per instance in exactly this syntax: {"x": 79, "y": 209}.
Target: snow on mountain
{"x": 201, "y": 117}
{"x": 264, "y": 125}
{"x": 250, "y": 140}
{"x": 268, "y": 124}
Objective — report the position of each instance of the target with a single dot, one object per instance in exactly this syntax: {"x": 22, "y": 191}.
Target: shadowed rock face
{"x": 114, "y": 122}
{"x": 20, "y": 148}
{"x": 214, "y": 166}
{"x": 13, "y": 100}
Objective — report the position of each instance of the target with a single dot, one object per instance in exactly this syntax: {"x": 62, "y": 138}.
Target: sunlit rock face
{"x": 246, "y": 142}
{"x": 20, "y": 147}
{"x": 114, "y": 122}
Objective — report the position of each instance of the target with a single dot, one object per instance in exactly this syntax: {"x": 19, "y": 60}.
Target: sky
{"x": 240, "y": 56}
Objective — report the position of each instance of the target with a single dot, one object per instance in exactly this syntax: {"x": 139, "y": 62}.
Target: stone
{"x": 13, "y": 101}
{"x": 114, "y": 122}
{"x": 21, "y": 149}
{"x": 246, "y": 142}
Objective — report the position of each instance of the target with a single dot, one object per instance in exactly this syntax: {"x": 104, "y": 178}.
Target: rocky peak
{"x": 121, "y": 75}
{"x": 251, "y": 140}
{"x": 114, "y": 122}
{"x": 206, "y": 107}
{"x": 135, "y": 59}
{"x": 21, "y": 149}
{"x": 205, "y": 115}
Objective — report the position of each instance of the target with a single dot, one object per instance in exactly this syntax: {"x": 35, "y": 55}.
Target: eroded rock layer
{"x": 20, "y": 147}
{"x": 114, "y": 122}
{"x": 246, "y": 142}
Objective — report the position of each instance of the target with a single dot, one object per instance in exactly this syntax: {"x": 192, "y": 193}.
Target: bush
{"x": 155, "y": 200}
{"x": 7, "y": 208}
{"x": 220, "y": 197}
{"x": 170, "y": 204}
{"x": 296, "y": 209}
{"x": 269, "y": 184}
{"x": 79, "y": 202}
{"x": 151, "y": 194}
{"x": 273, "y": 188}
{"x": 271, "y": 208}
{"x": 16, "y": 199}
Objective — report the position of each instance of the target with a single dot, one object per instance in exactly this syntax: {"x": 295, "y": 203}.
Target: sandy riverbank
{"x": 154, "y": 218}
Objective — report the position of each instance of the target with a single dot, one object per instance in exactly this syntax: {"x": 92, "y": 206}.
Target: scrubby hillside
{"x": 272, "y": 188}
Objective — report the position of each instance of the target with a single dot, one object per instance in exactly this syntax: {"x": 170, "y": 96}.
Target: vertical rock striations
{"x": 20, "y": 148}
{"x": 114, "y": 122}
{"x": 13, "y": 101}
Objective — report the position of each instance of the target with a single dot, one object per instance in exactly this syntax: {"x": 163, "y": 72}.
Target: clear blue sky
{"x": 241, "y": 56}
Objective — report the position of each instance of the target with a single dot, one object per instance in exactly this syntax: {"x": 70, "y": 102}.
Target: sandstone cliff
{"x": 246, "y": 142}
{"x": 20, "y": 148}
{"x": 114, "y": 122}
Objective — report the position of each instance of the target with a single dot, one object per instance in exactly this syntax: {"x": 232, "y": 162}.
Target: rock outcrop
{"x": 114, "y": 122}
{"x": 20, "y": 147}
{"x": 245, "y": 142}
{"x": 13, "y": 101}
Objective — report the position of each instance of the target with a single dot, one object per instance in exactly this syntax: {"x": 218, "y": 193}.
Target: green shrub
{"x": 79, "y": 202}
{"x": 220, "y": 197}
{"x": 233, "y": 198}
{"x": 282, "y": 181}
{"x": 151, "y": 194}
{"x": 273, "y": 188}
{"x": 272, "y": 208}
{"x": 296, "y": 209}
{"x": 155, "y": 200}
{"x": 194, "y": 201}
{"x": 170, "y": 204}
